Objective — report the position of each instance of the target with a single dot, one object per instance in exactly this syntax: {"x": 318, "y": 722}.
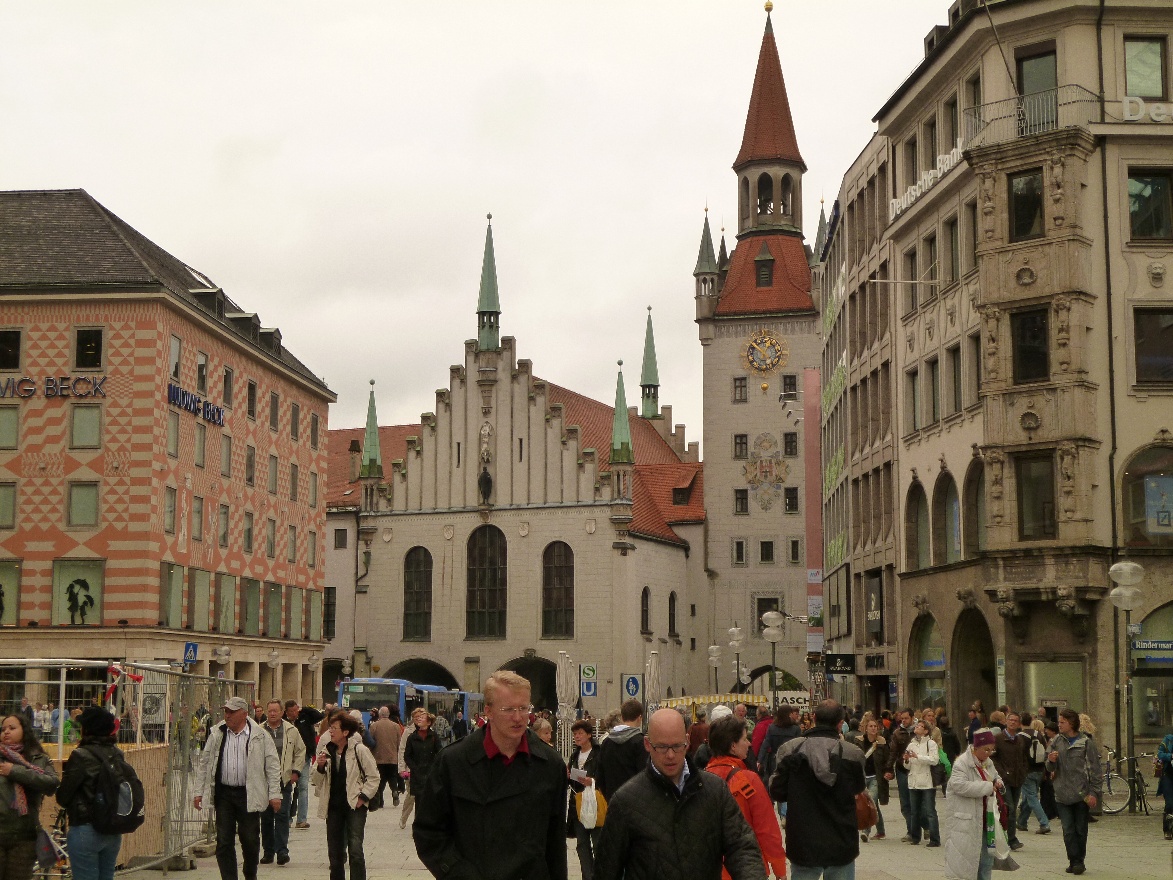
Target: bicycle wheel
{"x": 1116, "y": 793}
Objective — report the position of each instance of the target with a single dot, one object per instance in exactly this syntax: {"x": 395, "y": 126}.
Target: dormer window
{"x": 681, "y": 496}
{"x": 764, "y": 267}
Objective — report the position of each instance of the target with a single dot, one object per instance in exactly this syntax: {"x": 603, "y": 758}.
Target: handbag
{"x": 866, "y": 814}
{"x": 1158, "y": 768}
{"x": 1003, "y": 810}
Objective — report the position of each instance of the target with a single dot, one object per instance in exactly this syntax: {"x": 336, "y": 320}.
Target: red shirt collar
{"x": 491, "y": 750}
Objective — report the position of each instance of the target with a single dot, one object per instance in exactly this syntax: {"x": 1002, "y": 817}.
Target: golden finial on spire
{"x": 769, "y": 7}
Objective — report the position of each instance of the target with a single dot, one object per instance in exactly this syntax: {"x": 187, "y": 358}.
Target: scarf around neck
{"x": 12, "y": 754}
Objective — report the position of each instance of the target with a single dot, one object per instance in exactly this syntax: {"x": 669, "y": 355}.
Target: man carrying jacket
{"x": 1012, "y": 761}
{"x": 291, "y": 755}
{"x": 1075, "y": 762}
{"x": 494, "y": 804}
{"x": 240, "y": 771}
{"x": 819, "y": 776}
{"x": 673, "y": 822}
{"x": 622, "y": 754}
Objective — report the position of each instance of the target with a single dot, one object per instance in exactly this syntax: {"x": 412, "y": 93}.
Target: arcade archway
{"x": 542, "y": 677}
{"x": 417, "y": 670}
{"x": 973, "y": 663}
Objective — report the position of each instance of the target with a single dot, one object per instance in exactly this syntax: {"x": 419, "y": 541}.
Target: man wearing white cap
{"x": 242, "y": 773}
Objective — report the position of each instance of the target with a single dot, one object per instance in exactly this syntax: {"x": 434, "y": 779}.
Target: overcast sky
{"x": 330, "y": 165}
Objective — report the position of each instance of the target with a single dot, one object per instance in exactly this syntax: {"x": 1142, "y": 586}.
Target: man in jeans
{"x": 1012, "y": 760}
{"x": 1075, "y": 762}
{"x": 306, "y": 720}
{"x": 291, "y": 757}
{"x": 1036, "y": 759}
{"x": 897, "y": 746}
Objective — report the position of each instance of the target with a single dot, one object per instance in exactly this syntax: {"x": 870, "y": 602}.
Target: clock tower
{"x": 758, "y": 329}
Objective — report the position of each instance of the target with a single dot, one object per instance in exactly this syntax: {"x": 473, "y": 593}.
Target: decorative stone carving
{"x": 1013, "y": 612}
{"x": 990, "y": 317}
{"x": 910, "y": 338}
{"x": 1156, "y": 272}
{"x": 930, "y": 326}
{"x": 988, "y": 187}
{"x": 486, "y": 434}
{"x": 486, "y": 401}
{"x": 1025, "y": 276}
{"x": 449, "y": 531}
{"x": 921, "y": 603}
{"x": 1068, "y": 456}
{"x": 1074, "y": 610}
{"x": 944, "y": 464}
{"x": 1062, "y": 306}
{"x": 994, "y": 462}
{"x": 387, "y": 536}
{"x": 1163, "y": 436}
{"x": 951, "y": 311}
{"x": 523, "y": 529}
{"x": 967, "y": 596}
{"x": 1030, "y": 421}
{"x": 1057, "y": 206}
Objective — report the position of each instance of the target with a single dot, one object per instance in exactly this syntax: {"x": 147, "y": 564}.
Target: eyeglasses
{"x": 661, "y": 749}
{"x": 514, "y": 710}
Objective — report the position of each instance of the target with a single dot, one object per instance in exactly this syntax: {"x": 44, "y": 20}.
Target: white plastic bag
{"x": 588, "y": 810}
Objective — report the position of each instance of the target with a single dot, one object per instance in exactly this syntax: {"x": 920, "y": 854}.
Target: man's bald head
{"x": 666, "y": 742}
{"x": 666, "y": 725}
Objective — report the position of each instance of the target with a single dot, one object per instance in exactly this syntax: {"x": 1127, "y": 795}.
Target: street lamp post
{"x": 1126, "y": 596}
{"x": 773, "y": 634}
{"x": 715, "y": 661}
{"x": 735, "y": 635}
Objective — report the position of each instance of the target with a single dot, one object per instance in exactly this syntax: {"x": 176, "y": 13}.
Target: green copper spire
{"x": 723, "y": 254}
{"x": 821, "y": 236}
{"x": 372, "y": 462}
{"x": 706, "y": 261}
{"x": 650, "y": 379}
{"x": 489, "y": 304}
{"x": 620, "y": 427}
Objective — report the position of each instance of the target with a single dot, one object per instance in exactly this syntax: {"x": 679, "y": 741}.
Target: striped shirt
{"x": 233, "y": 764}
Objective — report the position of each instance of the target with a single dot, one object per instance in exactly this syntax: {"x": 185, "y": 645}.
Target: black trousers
{"x": 1074, "y": 819}
{"x": 234, "y": 820}
{"x": 345, "y": 829}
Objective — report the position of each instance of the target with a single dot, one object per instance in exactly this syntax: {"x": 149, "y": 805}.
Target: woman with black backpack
{"x": 93, "y": 854}
{"x": 26, "y": 776}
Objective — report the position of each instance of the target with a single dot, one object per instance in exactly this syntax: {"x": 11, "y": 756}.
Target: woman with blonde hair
{"x": 545, "y": 731}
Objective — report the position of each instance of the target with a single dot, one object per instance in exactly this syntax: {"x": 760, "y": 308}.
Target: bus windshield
{"x": 366, "y": 696}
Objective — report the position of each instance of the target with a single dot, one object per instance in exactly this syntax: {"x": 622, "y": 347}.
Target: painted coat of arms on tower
{"x": 766, "y": 471}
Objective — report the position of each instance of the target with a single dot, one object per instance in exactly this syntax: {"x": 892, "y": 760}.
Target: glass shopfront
{"x": 927, "y": 673}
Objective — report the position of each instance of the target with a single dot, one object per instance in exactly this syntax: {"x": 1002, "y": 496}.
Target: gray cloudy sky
{"x": 330, "y": 165}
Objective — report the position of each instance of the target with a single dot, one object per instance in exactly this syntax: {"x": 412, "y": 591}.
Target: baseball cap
{"x": 235, "y": 704}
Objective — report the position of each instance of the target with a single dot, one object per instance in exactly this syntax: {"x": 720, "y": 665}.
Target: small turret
{"x": 489, "y": 303}
{"x": 622, "y": 458}
{"x": 649, "y": 381}
{"x": 372, "y": 462}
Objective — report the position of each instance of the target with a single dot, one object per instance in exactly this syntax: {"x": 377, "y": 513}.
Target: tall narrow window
{"x": 558, "y": 591}
{"x": 934, "y": 391}
{"x": 176, "y": 357}
{"x": 169, "y": 504}
{"x": 672, "y": 614}
{"x": 227, "y": 399}
{"x": 223, "y": 525}
{"x": 912, "y": 403}
{"x": 291, "y": 545}
{"x": 274, "y": 411}
{"x": 1150, "y": 205}
{"x": 740, "y": 446}
{"x": 200, "y": 453}
{"x": 88, "y": 353}
{"x": 1031, "y": 344}
{"x": 173, "y": 434}
{"x": 225, "y": 455}
{"x": 250, "y": 465}
{"x": 971, "y": 213}
{"x": 271, "y": 482}
{"x": 953, "y": 362}
{"x": 201, "y": 372}
{"x": 293, "y": 480}
{"x": 271, "y": 538}
{"x": 740, "y": 389}
{"x": 953, "y": 243}
{"x": 1036, "y": 496}
{"x": 487, "y": 587}
{"x": 251, "y": 399}
{"x": 311, "y": 550}
{"x": 248, "y": 532}
{"x": 197, "y": 518}
{"x": 329, "y": 612}
{"x": 1026, "y": 205}
{"x": 313, "y": 430}
{"x": 741, "y": 501}
{"x": 916, "y": 529}
{"x": 83, "y": 504}
{"x": 85, "y": 426}
{"x": 9, "y": 349}
{"x": 417, "y": 595}
{"x": 790, "y": 499}
{"x": 294, "y": 421}
{"x": 645, "y": 611}
{"x": 911, "y": 275}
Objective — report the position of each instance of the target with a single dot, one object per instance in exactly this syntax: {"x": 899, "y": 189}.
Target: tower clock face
{"x": 765, "y": 352}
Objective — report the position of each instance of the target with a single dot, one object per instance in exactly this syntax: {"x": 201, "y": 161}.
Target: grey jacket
{"x": 1077, "y": 772}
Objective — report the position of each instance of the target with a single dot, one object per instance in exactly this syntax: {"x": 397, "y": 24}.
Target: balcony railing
{"x": 1028, "y": 115}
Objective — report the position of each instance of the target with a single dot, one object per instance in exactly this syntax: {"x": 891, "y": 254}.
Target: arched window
{"x": 916, "y": 529}
{"x": 645, "y": 611}
{"x": 417, "y": 595}
{"x": 672, "y": 614}
{"x": 946, "y": 521}
{"x": 787, "y": 195}
{"x": 765, "y": 194}
{"x": 744, "y": 198}
{"x": 558, "y": 591}
{"x": 487, "y": 596}
{"x": 1148, "y": 498}
{"x": 974, "y": 530}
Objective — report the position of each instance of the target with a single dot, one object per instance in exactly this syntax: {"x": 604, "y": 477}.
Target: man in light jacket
{"x": 291, "y": 755}
{"x": 240, "y": 771}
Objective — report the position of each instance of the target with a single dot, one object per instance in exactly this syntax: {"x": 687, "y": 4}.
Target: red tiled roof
{"x": 769, "y": 128}
{"x": 340, "y": 491}
{"x": 662, "y": 479}
{"x": 594, "y": 421}
{"x": 790, "y": 291}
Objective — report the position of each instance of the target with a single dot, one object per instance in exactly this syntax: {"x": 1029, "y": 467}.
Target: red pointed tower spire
{"x": 769, "y": 128}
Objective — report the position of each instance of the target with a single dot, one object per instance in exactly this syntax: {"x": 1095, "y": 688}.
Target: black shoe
{"x": 1078, "y": 869}
{"x": 1016, "y": 845}
{"x": 1071, "y": 869}
{"x": 283, "y": 860}
{"x": 931, "y": 844}
{"x": 267, "y": 859}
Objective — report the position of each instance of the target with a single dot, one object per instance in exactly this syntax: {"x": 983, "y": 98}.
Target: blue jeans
{"x": 275, "y": 825}
{"x": 985, "y": 864}
{"x": 92, "y": 855}
{"x": 924, "y": 813}
{"x": 303, "y": 794}
{"x": 833, "y": 872}
{"x": 1031, "y": 803}
{"x": 874, "y": 792}
{"x": 905, "y": 802}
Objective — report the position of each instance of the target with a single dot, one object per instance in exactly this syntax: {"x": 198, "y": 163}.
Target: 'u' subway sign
{"x": 193, "y": 403}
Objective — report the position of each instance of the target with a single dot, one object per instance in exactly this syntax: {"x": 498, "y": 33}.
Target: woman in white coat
{"x": 919, "y": 757}
{"x": 346, "y": 777}
{"x": 972, "y": 807}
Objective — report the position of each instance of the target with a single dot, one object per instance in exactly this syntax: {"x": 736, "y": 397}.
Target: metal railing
{"x": 1028, "y": 115}
{"x": 163, "y": 717}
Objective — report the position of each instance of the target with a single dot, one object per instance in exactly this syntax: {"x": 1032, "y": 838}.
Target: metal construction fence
{"x": 163, "y": 716}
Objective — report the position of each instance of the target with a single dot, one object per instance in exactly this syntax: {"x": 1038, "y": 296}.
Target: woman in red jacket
{"x": 730, "y": 744}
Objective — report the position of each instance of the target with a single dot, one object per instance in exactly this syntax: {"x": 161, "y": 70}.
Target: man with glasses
{"x": 672, "y": 820}
{"x": 494, "y": 804}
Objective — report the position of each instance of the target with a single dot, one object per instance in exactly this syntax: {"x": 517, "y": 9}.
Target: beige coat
{"x": 292, "y": 750}
{"x": 362, "y": 774}
{"x": 386, "y": 734}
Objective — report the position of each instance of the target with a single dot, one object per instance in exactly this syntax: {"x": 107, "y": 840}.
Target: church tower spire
{"x": 649, "y": 380}
{"x": 489, "y": 303}
{"x": 622, "y": 459}
{"x": 372, "y": 462}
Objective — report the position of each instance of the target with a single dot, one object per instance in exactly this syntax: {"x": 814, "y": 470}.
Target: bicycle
{"x": 1117, "y": 794}
{"x": 59, "y": 869}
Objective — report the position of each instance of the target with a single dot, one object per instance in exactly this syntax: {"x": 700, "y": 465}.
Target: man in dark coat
{"x": 622, "y": 754}
{"x": 305, "y": 719}
{"x": 494, "y": 804}
{"x": 819, "y": 776}
{"x": 672, "y": 822}
{"x": 1012, "y": 761}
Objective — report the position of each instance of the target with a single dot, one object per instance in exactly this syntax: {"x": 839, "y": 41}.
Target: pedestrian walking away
{"x": 1075, "y": 763}
{"x": 674, "y": 821}
{"x": 345, "y": 779}
{"x": 306, "y": 720}
{"x": 241, "y": 775}
{"x": 820, "y": 775}
{"x": 386, "y": 733}
{"x": 291, "y": 757}
{"x": 494, "y": 804}
{"x": 622, "y": 754}
{"x": 1030, "y": 801}
{"x": 26, "y": 776}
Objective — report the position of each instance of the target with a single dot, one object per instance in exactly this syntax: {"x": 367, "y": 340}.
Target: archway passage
{"x": 759, "y": 682}
{"x": 542, "y": 675}
{"x": 973, "y": 663}
{"x": 417, "y": 670}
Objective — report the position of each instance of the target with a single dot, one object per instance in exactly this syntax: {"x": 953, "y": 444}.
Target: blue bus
{"x": 368, "y": 694}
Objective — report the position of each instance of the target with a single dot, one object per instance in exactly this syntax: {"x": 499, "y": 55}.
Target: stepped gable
{"x": 790, "y": 290}
{"x": 594, "y": 420}
{"x": 340, "y": 491}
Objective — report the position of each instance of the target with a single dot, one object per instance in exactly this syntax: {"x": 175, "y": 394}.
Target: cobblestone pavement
{"x": 1119, "y": 848}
